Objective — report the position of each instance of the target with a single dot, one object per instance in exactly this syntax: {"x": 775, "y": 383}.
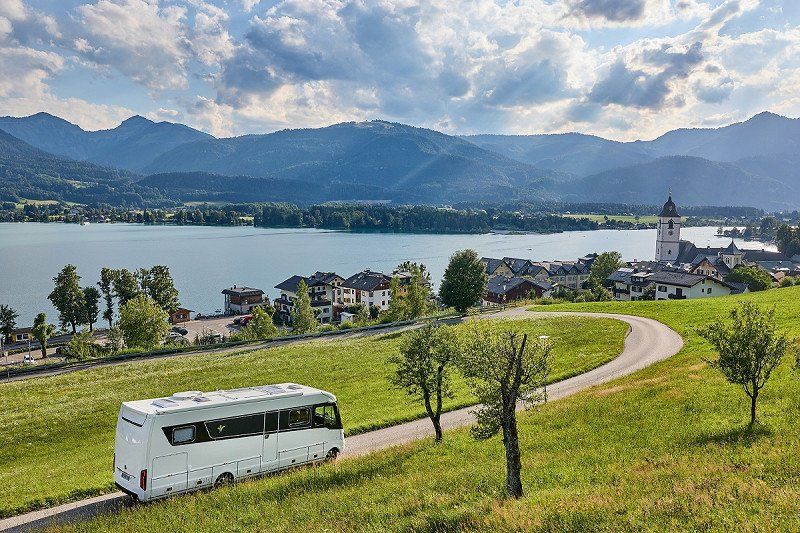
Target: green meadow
{"x": 57, "y": 440}
{"x": 665, "y": 449}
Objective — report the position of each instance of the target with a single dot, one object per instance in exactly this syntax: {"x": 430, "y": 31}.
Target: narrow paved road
{"x": 647, "y": 342}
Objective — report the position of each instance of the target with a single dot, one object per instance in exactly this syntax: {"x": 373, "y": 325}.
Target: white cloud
{"x": 138, "y": 38}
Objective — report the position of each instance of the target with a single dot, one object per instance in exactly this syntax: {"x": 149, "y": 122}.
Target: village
{"x": 679, "y": 270}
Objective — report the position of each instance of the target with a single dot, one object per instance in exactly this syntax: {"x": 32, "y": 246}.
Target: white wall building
{"x": 668, "y": 234}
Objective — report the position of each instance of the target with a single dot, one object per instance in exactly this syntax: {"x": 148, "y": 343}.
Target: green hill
{"x": 664, "y": 449}
{"x": 27, "y": 172}
{"x": 70, "y": 419}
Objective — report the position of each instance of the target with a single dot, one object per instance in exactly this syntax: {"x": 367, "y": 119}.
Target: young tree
{"x": 755, "y": 278}
{"x": 424, "y": 368}
{"x": 603, "y": 266}
{"x": 749, "y": 349}
{"x": 504, "y": 368}
{"x": 114, "y": 339}
{"x": 157, "y": 283}
{"x": 8, "y": 320}
{"x": 143, "y": 323}
{"x": 260, "y": 325}
{"x": 464, "y": 281}
{"x": 42, "y": 331}
{"x": 126, "y": 287}
{"x": 303, "y": 318}
{"x": 68, "y": 298}
{"x": 416, "y": 301}
{"x": 106, "y": 284}
{"x": 80, "y": 346}
{"x": 91, "y": 306}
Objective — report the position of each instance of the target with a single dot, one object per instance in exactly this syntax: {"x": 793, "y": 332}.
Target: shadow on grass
{"x": 317, "y": 479}
{"x": 739, "y": 436}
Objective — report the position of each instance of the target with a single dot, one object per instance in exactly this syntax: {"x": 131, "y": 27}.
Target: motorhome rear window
{"x": 183, "y": 435}
{"x": 240, "y": 426}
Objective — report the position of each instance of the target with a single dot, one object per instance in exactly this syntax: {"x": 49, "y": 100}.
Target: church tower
{"x": 668, "y": 236}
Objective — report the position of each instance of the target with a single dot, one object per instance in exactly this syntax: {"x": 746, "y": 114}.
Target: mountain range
{"x": 752, "y": 163}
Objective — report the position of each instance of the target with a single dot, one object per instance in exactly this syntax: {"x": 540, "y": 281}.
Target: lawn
{"x": 665, "y": 449}
{"x": 58, "y": 436}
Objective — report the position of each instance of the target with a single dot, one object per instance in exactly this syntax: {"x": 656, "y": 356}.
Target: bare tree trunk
{"x": 437, "y": 428}
{"x": 513, "y": 458}
{"x": 753, "y": 399}
{"x": 434, "y": 416}
{"x": 44, "y": 349}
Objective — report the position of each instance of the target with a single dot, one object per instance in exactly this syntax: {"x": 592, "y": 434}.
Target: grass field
{"x": 665, "y": 449}
{"x": 645, "y": 219}
{"x": 58, "y": 434}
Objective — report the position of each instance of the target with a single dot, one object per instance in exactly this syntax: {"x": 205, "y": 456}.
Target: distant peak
{"x": 767, "y": 115}
{"x": 47, "y": 116}
{"x": 137, "y": 119}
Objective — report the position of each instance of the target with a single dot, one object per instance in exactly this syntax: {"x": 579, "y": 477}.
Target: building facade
{"x": 668, "y": 233}
{"x": 242, "y": 300}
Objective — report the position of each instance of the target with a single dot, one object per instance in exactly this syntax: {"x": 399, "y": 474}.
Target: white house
{"x": 323, "y": 290}
{"x": 242, "y": 300}
{"x": 682, "y": 286}
{"x": 367, "y": 287}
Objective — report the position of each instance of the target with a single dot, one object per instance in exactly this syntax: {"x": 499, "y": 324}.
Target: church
{"x": 682, "y": 270}
{"x": 714, "y": 262}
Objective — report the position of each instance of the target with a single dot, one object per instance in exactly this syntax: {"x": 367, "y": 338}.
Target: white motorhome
{"x": 192, "y": 440}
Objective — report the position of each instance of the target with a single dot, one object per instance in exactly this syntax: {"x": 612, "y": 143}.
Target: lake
{"x": 205, "y": 260}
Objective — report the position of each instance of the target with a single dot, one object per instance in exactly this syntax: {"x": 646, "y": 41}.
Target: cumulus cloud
{"x": 462, "y": 66}
{"x": 651, "y": 85}
{"x": 138, "y": 38}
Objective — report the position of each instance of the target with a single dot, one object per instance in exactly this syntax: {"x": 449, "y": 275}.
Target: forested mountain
{"x": 131, "y": 145}
{"x": 574, "y": 153}
{"x": 207, "y": 187}
{"x": 694, "y": 180}
{"x": 765, "y": 134}
{"x": 753, "y": 163}
{"x": 411, "y": 164}
{"x": 29, "y": 173}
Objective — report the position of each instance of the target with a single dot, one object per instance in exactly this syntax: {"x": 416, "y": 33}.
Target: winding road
{"x": 648, "y": 341}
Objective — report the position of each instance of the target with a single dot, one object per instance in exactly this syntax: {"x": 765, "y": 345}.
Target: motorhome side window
{"x": 295, "y": 419}
{"x": 299, "y": 417}
{"x": 326, "y": 416}
{"x": 271, "y": 422}
{"x": 183, "y": 435}
{"x": 239, "y": 426}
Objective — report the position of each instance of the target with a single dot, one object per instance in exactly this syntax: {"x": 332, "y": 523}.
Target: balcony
{"x": 676, "y": 296}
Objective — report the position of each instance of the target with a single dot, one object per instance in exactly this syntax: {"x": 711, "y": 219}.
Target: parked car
{"x": 27, "y": 359}
{"x": 176, "y": 338}
{"x": 242, "y": 320}
{"x": 178, "y": 329}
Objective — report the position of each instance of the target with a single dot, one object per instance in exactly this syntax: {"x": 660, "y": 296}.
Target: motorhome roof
{"x": 191, "y": 400}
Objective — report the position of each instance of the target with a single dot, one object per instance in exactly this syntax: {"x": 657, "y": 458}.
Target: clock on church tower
{"x": 668, "y": 236}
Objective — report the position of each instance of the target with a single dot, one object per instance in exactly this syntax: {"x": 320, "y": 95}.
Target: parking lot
{"x": 222, "y": 325}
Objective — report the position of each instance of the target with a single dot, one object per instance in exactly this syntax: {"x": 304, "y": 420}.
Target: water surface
{"x": 205, "y": 260}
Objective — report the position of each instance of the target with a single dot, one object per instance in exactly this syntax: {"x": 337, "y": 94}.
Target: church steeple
{"x": 668, "y": 234}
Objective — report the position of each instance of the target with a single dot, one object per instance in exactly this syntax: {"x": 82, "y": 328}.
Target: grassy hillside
{"x": 663, "y": 449}
{"x": 58, "y": 444}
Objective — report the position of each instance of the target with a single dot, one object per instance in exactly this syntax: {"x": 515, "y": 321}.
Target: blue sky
{"x": 623, "y": 69}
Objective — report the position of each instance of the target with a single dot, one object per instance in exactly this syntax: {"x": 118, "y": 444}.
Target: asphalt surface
{"x": 647, "y": 342}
